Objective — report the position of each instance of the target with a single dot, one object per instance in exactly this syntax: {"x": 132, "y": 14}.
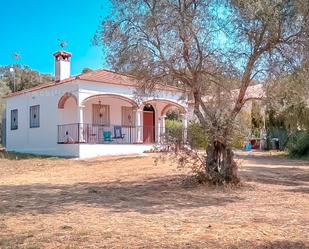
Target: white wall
{"x": 41, "y": 140}
{"x": 95, "y": 150}
{"x": 114, "y": 107}
{"x": 69, "y": 114}
{"x": 92, "y": 88}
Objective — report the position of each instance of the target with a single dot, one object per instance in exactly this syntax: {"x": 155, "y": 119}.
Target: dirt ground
{"x": 131, "y": 203}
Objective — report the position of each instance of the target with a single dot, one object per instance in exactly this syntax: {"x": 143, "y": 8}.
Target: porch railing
{"x": 107, "y": 134}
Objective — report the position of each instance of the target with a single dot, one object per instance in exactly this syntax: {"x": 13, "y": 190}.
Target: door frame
{"x": 153, "y": 125}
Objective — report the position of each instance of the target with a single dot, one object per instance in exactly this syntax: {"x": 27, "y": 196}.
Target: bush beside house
{"x": 298, "y": 145}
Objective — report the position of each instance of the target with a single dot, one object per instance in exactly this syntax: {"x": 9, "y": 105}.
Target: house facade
{"x": 92, "y": 114}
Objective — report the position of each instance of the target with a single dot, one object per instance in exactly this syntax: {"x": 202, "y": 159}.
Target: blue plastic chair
{"x": 118, "y": 132}
{"x": 107, "y": 136}
{"x": 248, "y": 147}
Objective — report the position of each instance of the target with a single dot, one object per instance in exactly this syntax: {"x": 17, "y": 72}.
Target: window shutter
{"x": 14, "y": 119}
{"x": 100, "y": 114}
{"x": 34, "y": 116}
{"x": 128, "y": 117}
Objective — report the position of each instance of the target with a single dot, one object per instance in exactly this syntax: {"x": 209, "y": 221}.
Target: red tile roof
{"x": 62, "y": 53}
{"x": 39, "y": 87}
{"x": 255, "y": 91}
{"x": 102, "y": 76}
{"x": 108, "y": 76}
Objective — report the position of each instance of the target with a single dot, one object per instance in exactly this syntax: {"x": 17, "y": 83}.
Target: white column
{"x": 185, "y": 126}
{"x": 139, "y": 113}
{"x": 159, "y": 129}
{"x": 81, "y": 123}
{"x": 163, "y": 124}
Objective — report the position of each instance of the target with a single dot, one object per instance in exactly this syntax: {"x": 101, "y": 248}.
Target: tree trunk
{"x": 220, "y": 165}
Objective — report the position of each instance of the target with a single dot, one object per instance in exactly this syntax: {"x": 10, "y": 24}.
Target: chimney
{"x": 62, "y": 65}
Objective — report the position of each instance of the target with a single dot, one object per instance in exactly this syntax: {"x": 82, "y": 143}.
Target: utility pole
{"x": 15, "y": 56}
{"x": 12, "y": 71}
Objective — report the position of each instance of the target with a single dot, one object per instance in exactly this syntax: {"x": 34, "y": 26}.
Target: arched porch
{"x": 112, "y": 119}
{"x": 162, "y": 106}
{"x": 108, "y": 119}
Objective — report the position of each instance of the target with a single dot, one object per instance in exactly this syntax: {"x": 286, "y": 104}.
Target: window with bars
{"x": 34, "y": 116}
{"x": 128, "y": 118}
{"x": 100, "y": 114}
{"x": 14, "y": 119}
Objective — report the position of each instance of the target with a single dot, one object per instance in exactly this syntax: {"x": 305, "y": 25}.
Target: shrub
{"x": 172, "y": 114}
{"x": 197, "y": 137}
{"x": 278, "y": 132}
{"x": 173, "y": 130}
{"x": 243, "y": 129}
{"x": 298, "y": 145}
{"x": 238, "y": 141}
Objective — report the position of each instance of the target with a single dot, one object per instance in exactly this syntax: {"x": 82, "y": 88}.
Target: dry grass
{"x": 130, "y": 203}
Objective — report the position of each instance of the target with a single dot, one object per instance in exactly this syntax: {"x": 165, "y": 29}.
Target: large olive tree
{"x": 208, "y": 47}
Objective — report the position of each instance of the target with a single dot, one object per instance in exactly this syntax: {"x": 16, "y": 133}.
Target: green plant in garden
{"x": 174, "y": 131}
{"x": 197, "y": 136}
{"x": 298, "y": 145}
{"x": 238, "y": 141}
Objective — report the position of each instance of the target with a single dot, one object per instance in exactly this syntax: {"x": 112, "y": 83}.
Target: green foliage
{"x": 174, "y": 130}
{"x": 298, "y": 145}
{"x": 173, "y": 124}
{"x": 238, "y": 141}
{"x": 87, "y": 70}
{"x": 288, "y": 112}
{"x": 286, "y": 125}
{"x": 277, "y": 132}
{"x": 256, "y": 116}
{"x": 23, "y": 76}
{"x": 4, "y": 90}
{"x": 197, "y": 136}
{"x": 256, "y": 133}
{"x": 288, "y": 101}
{"x": 243, "y": 129}
{"x": 244, "y": 124}
{"x": 172, "y": 114}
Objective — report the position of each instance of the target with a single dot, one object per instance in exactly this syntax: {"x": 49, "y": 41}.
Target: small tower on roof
{"x": 62, "y": 65}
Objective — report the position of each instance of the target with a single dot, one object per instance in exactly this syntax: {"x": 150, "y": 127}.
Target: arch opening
{"x": 168, "y": 105}
{"x": 172, "y": 107}
{"x": 64, "y": 98}
{"x": 114, "y": 96}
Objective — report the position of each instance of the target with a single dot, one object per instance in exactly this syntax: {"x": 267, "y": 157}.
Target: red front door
{"x": 148, "y": 130}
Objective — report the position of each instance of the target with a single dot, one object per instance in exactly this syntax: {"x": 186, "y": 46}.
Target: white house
{"x": 92, "y": 114}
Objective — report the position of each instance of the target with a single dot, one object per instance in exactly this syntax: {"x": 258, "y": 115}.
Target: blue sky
{"x": 32, "y": 28}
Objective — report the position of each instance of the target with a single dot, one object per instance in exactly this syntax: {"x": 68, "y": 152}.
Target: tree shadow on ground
{"x": 279, "y": 244}
{"x": 24, "y": 156}
{"x": 152, "y": 195}
{"x": 273, "y": 160}
{"x": 277, "y": 176}
{"x": 303, "y": 190}
{"x": 277, "y": 171}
